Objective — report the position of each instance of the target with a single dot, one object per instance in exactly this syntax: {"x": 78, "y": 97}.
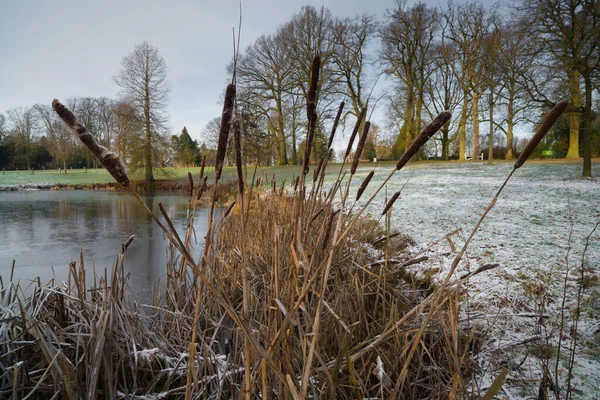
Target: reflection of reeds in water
{"x": 289, "y": 299}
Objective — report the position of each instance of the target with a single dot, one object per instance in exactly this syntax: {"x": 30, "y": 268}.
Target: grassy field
{"x": 288, "y": 172}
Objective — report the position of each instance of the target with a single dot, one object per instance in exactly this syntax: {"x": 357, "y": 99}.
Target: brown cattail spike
{"x": 224, "y": 131}
{"x": 202, "y": 166}
{"x": 359, "y": 147}
{"x": 549, "y": 120}
{"x": 311, "y": 110}
{"x": 423, "y": 137}
{"x": 361, "y": 116}
{"x": 191, "y": 183}
{"x": 237, "y": 142}
{"x": 335, "y": 124}
{"x": 109, "y": 160}
{"x": 391, "y": 202}
{"x": 364, "y": 185}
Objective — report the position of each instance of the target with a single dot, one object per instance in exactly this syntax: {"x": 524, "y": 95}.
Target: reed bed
{"x": 293, "y": 295}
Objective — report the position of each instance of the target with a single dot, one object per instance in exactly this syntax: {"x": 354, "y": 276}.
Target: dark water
{"x": 45, "y": 230}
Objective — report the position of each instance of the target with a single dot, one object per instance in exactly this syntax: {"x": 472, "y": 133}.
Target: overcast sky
{"x": 74, "y": 48}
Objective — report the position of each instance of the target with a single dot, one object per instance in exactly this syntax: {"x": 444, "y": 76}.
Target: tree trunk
{"x": 281, "y": 148}
{"x": 491, "y": 137}
{"x": 462, "y": 131}
{"x": 475, "y": 101}
{"x": 294, "y": 151}
{"x": 586, "y": 129}
{"x": 509, "y": 129}
{"x": 148, "y": 145}
{"x": 574, "y": 116}
{"x": 445, "y": 142}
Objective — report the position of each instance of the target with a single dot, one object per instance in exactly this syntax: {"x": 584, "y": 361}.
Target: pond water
{"x": 43, "y": 231}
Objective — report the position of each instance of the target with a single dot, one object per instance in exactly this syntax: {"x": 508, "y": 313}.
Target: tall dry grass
{"x": 293, "y": 296}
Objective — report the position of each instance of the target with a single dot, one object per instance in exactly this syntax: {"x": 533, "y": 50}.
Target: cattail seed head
{"x": 224, "y": 131}
{"x": 423, "y": 137}
{"x": 361, "y": 116}
{"x": 391, "y": 202}
{"x": 359, "y": 147}
{"x": 364, "y": 185}
{"x": 109, "y": 160}
{"x": 549, "y": 120}
{"x": 335, "y": 124}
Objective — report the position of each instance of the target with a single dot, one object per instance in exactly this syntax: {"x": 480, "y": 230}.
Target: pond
{"x": 43, "y": 231}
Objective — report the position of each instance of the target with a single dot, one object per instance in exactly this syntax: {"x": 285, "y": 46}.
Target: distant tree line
{"x": 494, "y": 69}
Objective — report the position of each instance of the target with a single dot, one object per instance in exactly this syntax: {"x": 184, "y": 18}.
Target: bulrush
{"x": 224, "y": 131}
{"x": 109, "y": 160}
{"x": 364, "y": 185}
{"x": 202, "y": 166}
{"x": 359, "y": 147}
{"x": 335, "y": 124}
{"x": 391, "y": 202}
{"x": 361, "y": 116}
{"x": 549, "y": 120}
{"x": 311, "y": 110}
{"x": 425, "y": 135}
{"x": 237, "y": 143}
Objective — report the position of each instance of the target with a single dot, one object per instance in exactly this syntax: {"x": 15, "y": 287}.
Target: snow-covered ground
{"x": 544, "y": 213}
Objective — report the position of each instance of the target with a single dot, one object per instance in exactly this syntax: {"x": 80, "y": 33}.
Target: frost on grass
{"x": 517, "y": 305}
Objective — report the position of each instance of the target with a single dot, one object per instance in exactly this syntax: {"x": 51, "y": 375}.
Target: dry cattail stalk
{"x": 329, "y": 226}
{"x": 425, "y": 135}
{"x": 237, "y": 142}
{"x": 109, "y": 160}
{"x": 361, "y": 116}
{"x": 229, "y": 209}
{"x": 549, "y": 120}
{"x": 335, "y": 124}
{"x": 311, "y": 110}
{"x": 203, "y": 187}
{"x": 359, "y": 147}
{"x": 364, "y": 185}
{"x": 391, "y": 202}
{"x": 224, "y": 131}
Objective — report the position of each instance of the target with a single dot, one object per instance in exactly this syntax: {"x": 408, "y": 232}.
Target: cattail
{"x": 335, "y": 124}
{"x": 361, "y": 116}
{"x": 202, "y": 166}
{"x": 318, "y": 169}
{"x": 281, "y": 187}
{"x": 296, "y": 183}
{"x": 425, "y": 135}
{"x": 311, "y": 110}
{"x": 224, "y": 131}
{"x": 359, "y": 147}
{"x": 391, "y": 202}
{"x": 364, "y": 185}
{"x": 203, "y": 188}
{"x": 109, "y": 160}
{"x": 237, "y": 142}
{"x": 549, "y": 120}
{"x": 229, "y": 209}
{"x": 191, "y": 183}
{"x": 329, "y": 226}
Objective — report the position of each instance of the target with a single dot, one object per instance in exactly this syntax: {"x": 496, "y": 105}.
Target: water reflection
{"x": 45, "y": 230}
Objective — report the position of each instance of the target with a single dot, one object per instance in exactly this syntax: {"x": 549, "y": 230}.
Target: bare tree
{"x": 24, "y": 125}
{"x": 570, "y": 31}
{"x": 60, "y": 139}
{"x": 126, "y": 130}
{"x": 143, "y": 83}
{"x": 2, "y": 127}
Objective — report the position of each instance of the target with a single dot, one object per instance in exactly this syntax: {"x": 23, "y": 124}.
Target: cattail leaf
{"x": 224, "y": 131}
{"x": 228, "y": 211}
{"x": 423, "y": 137}
{"x": 311, "y": 110}
{"x": 109, "y": 160}
{"x": 318, "y": 169}
{"x": 391, "y": 202}
{"x": 361, "y": 116}
{"x": 364, "y": 185}
{"x": 335, "y": 124}
{"x": 549, "y": 120}
{"x": 359, "y": 147}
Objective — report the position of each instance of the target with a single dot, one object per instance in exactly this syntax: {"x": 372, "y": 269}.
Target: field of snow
{"x": 544, "y": 213}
